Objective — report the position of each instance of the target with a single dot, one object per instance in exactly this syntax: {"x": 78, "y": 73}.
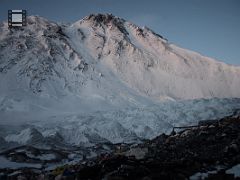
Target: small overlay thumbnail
{"x": 17, "y": 18}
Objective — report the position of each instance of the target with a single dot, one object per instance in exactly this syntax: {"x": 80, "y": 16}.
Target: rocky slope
{"x": 209, "y": 151}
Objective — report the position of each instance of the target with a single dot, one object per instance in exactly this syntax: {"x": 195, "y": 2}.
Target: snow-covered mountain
{"x": 105, "y": 79}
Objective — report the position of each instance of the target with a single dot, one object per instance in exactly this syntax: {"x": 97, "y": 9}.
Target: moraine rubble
{"x": 209, "y": 151}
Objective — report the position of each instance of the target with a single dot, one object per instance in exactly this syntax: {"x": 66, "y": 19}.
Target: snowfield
{"x": 103, "y": 79}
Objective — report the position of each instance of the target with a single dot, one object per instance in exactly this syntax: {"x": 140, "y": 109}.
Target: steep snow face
{"x": 103, "y": 79}
{"x": 149, "y": 64}
{"x": 104, "y": 57}
{"x": 41, "y": 68}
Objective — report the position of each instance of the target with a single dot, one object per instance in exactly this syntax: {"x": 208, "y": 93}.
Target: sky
{"x": 210, "y": 27}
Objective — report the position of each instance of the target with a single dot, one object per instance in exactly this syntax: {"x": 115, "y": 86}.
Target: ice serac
{"x": 26, "y": 136}
{"x": 104, "y": 79}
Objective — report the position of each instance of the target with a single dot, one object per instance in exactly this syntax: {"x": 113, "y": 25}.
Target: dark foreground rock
{"x": 211, "y": 147}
